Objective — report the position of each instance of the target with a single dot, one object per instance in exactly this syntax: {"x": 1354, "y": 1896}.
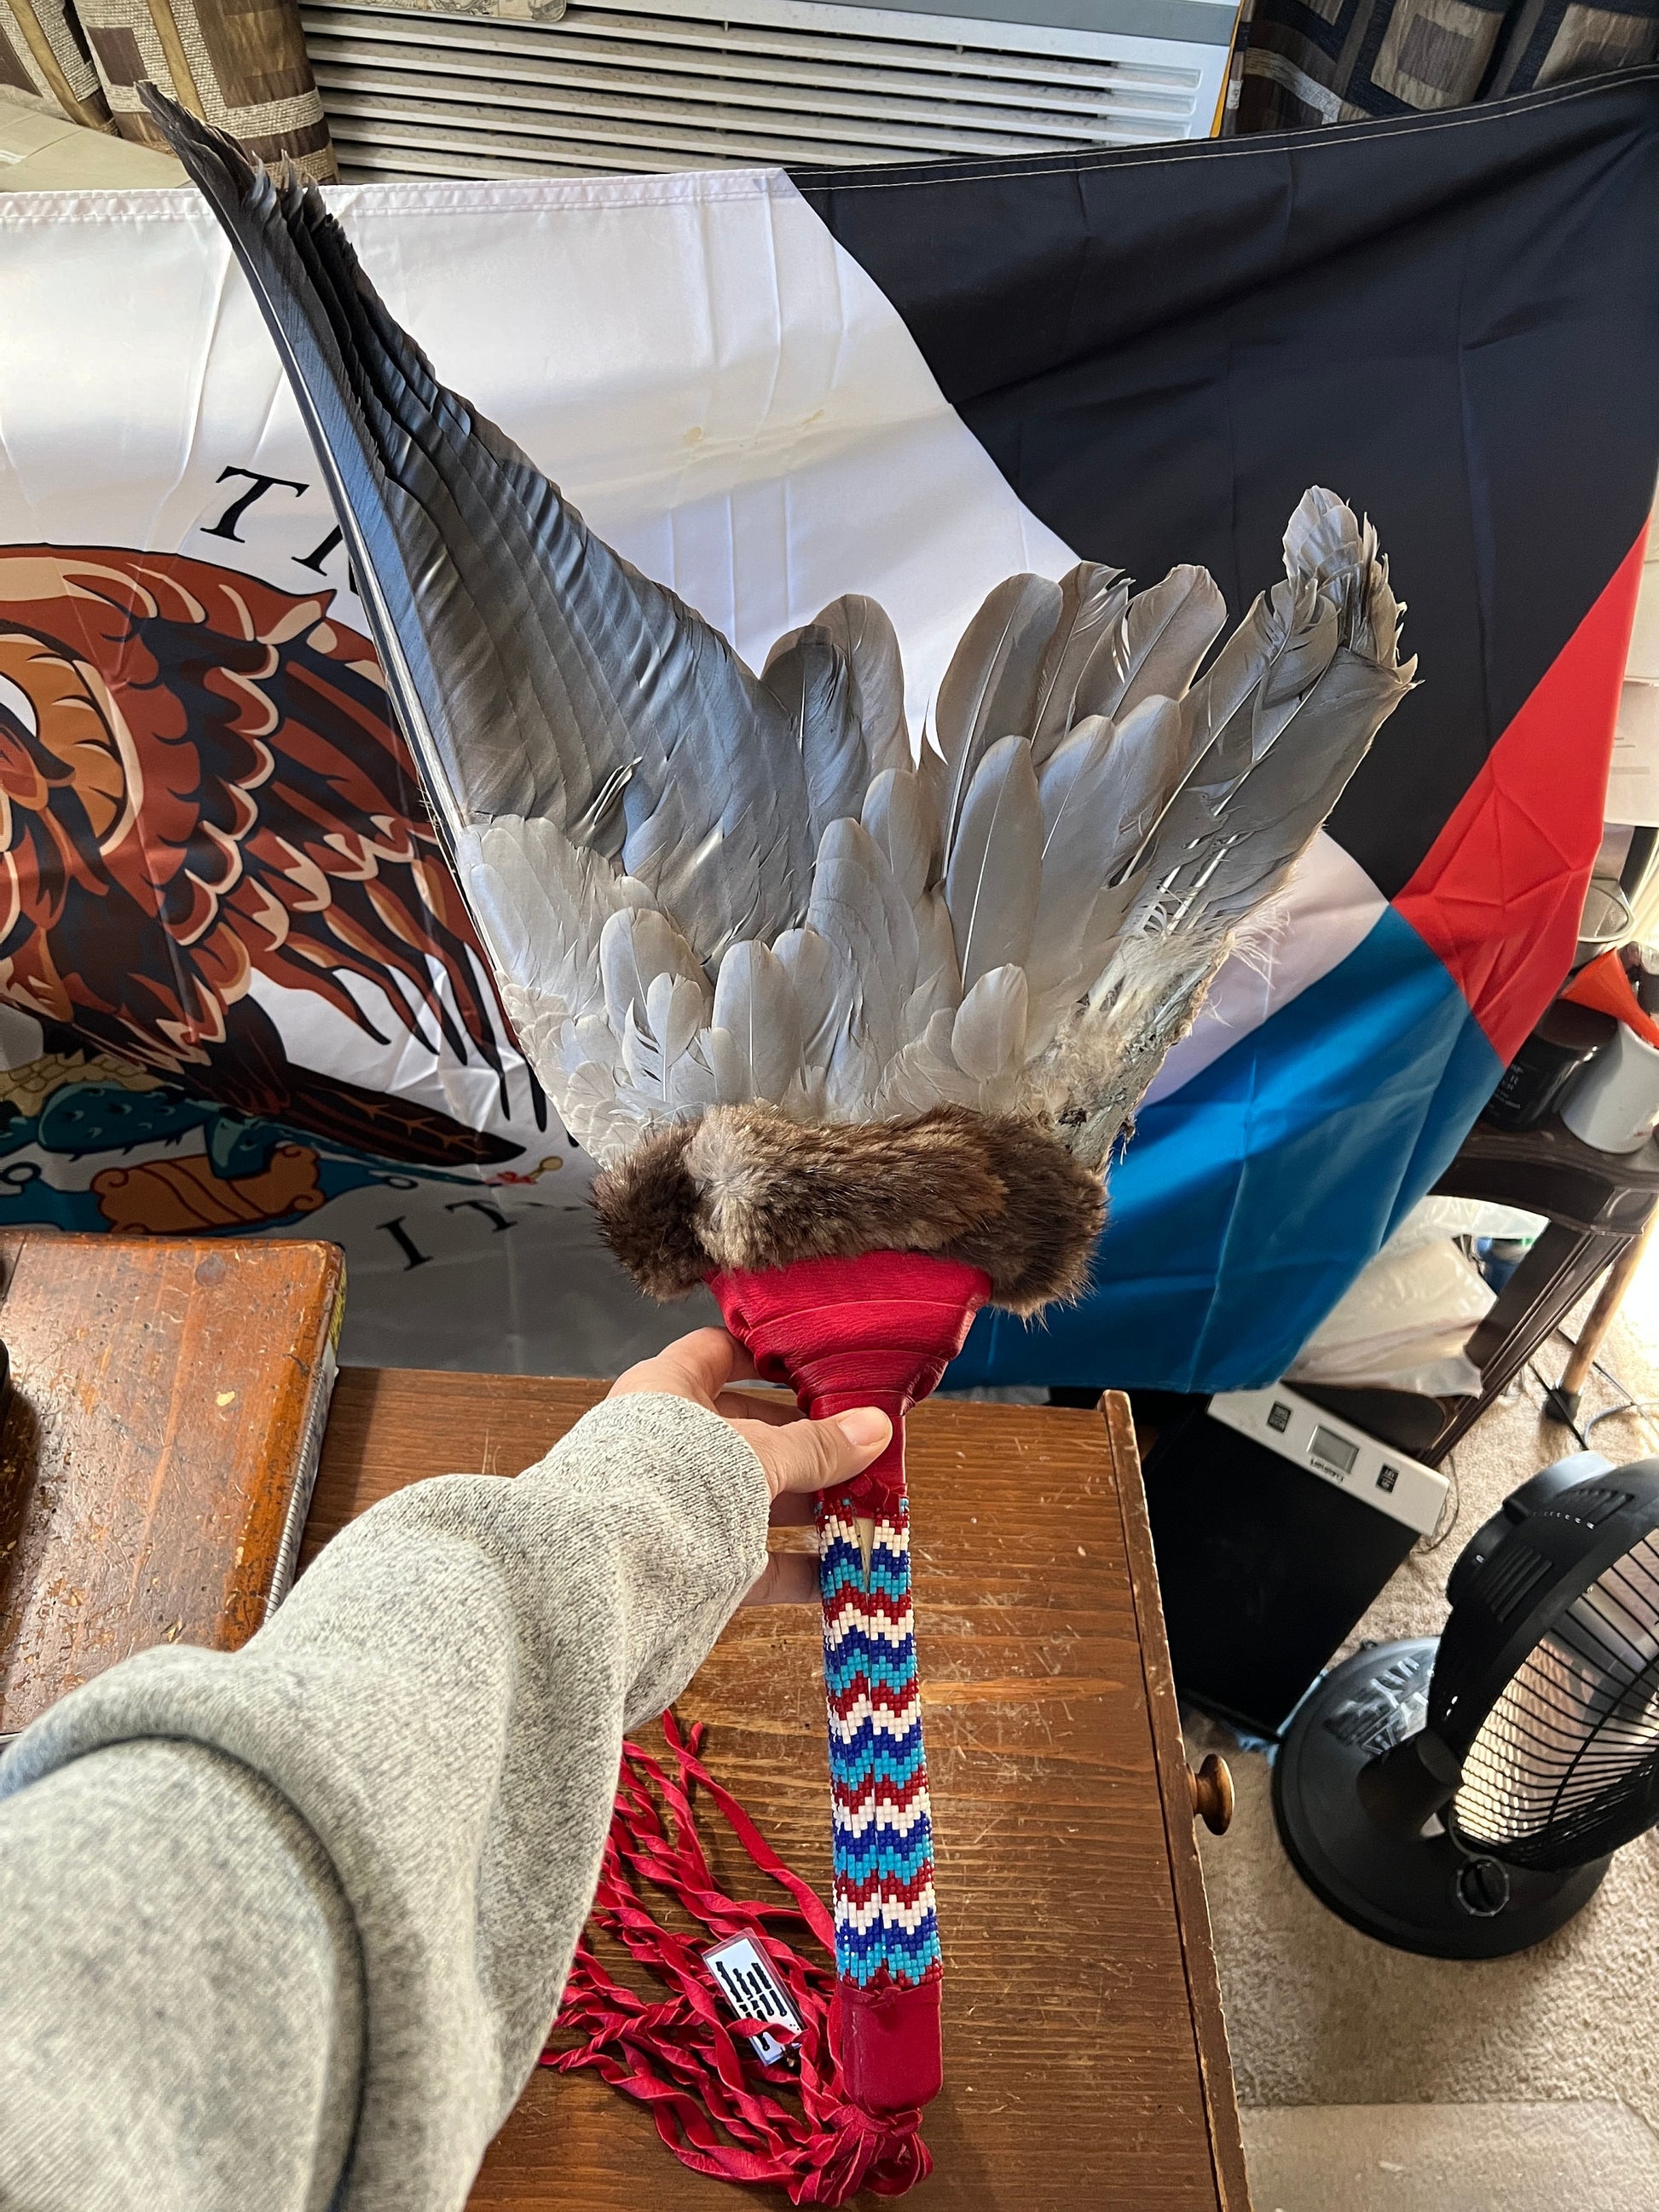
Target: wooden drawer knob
{"x": 1212, "y": 1794}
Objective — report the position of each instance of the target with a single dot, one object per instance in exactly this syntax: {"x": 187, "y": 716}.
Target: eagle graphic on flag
{"x": 768, "y": 390}
{"x": 201, "y": 781}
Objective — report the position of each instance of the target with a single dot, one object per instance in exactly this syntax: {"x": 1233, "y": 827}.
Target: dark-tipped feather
{"x": 535, "y": 672}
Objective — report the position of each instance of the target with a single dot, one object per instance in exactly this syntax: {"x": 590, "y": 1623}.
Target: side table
{"x": 1086, "y": 2058}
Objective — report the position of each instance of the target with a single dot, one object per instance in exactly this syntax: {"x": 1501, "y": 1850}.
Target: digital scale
{"x": 1275, "y": 1524}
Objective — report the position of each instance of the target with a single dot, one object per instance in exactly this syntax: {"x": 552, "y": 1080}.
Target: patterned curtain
{"x": 1309, "y": 62}
{"x": 46, "y": 63}
{"x": 240, "y": 64}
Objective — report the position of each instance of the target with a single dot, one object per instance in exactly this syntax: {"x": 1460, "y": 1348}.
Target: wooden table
{"x": 1084, "y": 2055}
{"x": 157, "y": 1447}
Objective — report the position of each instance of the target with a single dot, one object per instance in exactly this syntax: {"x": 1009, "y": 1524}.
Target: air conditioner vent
{"x": 620, "y": 91}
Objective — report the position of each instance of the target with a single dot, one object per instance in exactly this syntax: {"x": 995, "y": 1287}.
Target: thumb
{"x": 809, "y": 1456}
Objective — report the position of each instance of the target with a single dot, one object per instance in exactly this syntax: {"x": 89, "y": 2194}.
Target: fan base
{"x": 1430, "y": 1893}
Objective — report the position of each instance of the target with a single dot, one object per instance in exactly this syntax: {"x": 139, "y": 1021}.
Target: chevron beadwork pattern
{"x": 885, "y": 1926}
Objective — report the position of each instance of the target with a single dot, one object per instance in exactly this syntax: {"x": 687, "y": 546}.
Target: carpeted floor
{"x": 1320, "y": 2018}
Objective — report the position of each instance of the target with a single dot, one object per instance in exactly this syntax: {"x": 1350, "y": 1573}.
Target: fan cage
{"x": 1565, "y": 1765}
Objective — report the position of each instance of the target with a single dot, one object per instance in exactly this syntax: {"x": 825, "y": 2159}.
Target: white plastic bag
{"x": 1405, "y": 1320}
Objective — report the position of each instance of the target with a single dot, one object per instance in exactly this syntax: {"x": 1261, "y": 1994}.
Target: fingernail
{"x": 864, "y": 1426}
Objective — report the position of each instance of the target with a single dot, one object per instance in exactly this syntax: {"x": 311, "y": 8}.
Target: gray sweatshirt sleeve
{"x": 284, "y": 1931}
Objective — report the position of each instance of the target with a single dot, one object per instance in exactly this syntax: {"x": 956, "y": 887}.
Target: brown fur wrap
{"x": 743, "y": 1186}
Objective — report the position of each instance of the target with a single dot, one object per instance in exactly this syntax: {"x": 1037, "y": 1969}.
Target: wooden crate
{"x": 166, "y": 1412}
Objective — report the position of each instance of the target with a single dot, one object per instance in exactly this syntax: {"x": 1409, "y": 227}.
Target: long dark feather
{"x": 535, "y": 672}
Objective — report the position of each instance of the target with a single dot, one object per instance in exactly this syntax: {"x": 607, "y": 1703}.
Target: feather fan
{"x": 816, "y": 997}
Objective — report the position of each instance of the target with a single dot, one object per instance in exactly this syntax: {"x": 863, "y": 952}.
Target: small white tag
{"x": 753, "y": 1991}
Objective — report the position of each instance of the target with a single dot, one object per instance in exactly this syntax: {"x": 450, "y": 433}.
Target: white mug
{"x": 1614, "y": 1104}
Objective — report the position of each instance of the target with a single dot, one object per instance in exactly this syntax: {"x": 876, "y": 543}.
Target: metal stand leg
{"x": 1549, "y": 1282}
{"x": 1563, "y": 1402}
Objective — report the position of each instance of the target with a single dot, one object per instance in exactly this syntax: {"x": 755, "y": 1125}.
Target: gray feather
{"x": 809, "y": 677}
{"x": 542, "y": 903}
{"x": 730, "y": 1070}
{"x": 655, "y": 1049}
{"x": 676, "y": 1009}
{"x": 989, "y": 688}
{"x": 1236, "y": 670}
{"x": 1274, "y": 812}
{"x": 899, "y": 817}
{"x": 987, "y": 1038}
{"x": 1331, "y": 565}
{"x": 859, "y": 910}
{"x": 1324, "y": 540}
{"x": 825, "y": 989}
{"x": 925, "y": 1073}
{"x": 1092, "y": 601}
{"x": 636, "y": 946}
{"x": 994, "y": 874}
{"x": 861, "y": 628}
{"x": 1154, "y": 652}
{"x": 755, "y": 1005}
{"x": 589, "y": 1042}
{"x": 1293, "y": 638}
{"x": 1099, "y": 793}
{"x": 938, "y": 978}
{"x": 1150, "y": 741}
{"x": 1320, "y": 651}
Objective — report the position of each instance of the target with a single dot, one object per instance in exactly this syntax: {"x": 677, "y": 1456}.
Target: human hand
{"x": 797, "y": 1456}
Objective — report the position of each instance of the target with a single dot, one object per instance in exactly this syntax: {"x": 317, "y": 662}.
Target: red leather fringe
{"x": 717, "y": 2109}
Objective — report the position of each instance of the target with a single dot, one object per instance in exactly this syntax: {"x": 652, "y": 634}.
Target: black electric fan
{"x": 1461, "y": 1796}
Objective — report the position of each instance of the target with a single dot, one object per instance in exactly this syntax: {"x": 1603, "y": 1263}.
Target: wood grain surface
{"x": 1085, "y": 2059}
{"x": 1187, "y": 1873}
{"x": 162, "y": 1396}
